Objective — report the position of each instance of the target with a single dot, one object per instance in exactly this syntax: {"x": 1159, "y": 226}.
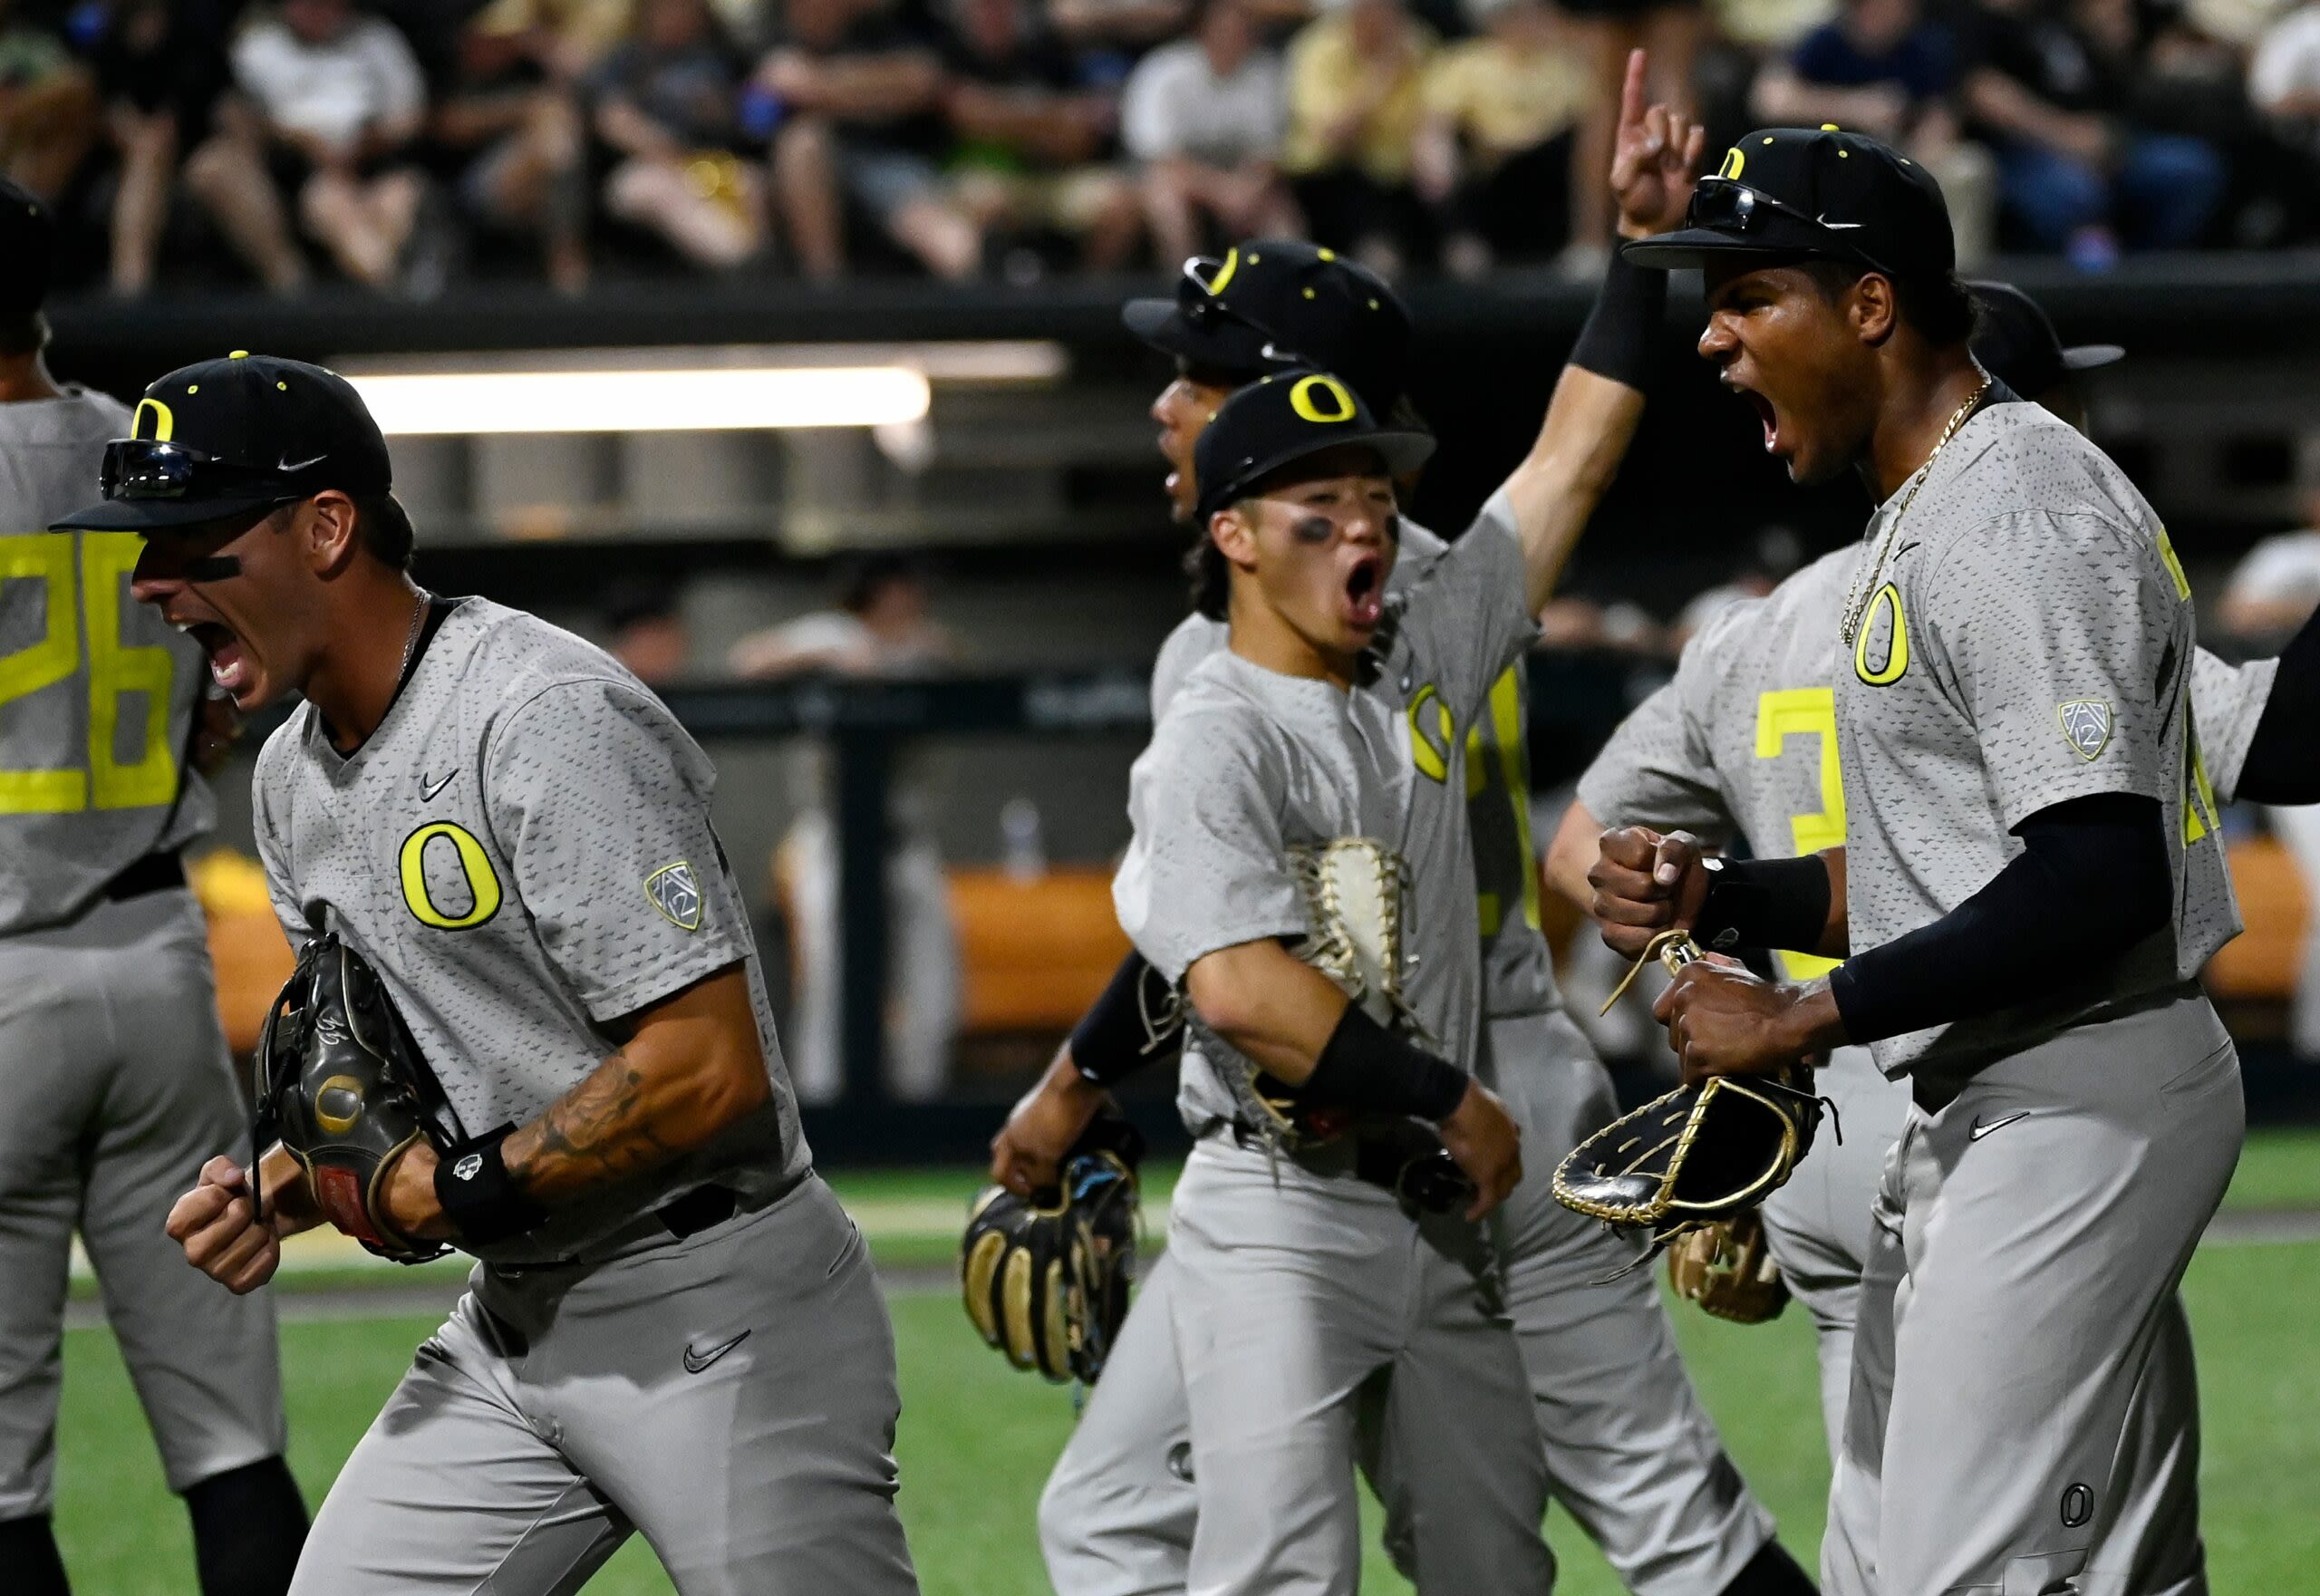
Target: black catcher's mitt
{"x": 1698, "y": 1156}
{"x": 343, "y": 1085}
{"x": 1046, "y": 1277}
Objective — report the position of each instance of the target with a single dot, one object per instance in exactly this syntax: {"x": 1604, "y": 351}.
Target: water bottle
{"x": 1023, "y": 854}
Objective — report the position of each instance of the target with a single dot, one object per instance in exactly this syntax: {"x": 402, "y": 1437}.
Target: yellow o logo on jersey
{"x": 1430, "y": 744}
{"x": 1301, "y": 400}
{"x": 1894, "y": 657}
{"x": 475, "y": 865}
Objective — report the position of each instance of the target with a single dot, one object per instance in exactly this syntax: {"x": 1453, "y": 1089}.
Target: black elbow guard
{"x": 1138, "y": 1020}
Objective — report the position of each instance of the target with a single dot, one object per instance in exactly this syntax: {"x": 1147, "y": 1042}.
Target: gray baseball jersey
{"x": 1518, "y": 971}
{"x": 97, "y": 692}
{"x": 1247, "y": 763}
{"x": 2028, "y": 641}
{"x": 523, "y": 849}
{"x": 1744, "y": 739}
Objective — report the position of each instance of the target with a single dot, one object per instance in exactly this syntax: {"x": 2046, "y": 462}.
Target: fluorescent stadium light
{"x": 665, "y": 400}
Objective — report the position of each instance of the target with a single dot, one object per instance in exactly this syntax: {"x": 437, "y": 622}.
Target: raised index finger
{"x": 1632, "y": 93}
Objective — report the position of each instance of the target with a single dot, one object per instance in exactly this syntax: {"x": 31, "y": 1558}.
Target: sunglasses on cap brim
{"x": 151, "y": 468}
{"x": 1720, "y": 205}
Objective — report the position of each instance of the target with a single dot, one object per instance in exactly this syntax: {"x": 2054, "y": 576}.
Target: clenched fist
{"x": 218, "y": 1225}
{"x": 1485, "y": 1143}
{"x": 1645, "y": 883}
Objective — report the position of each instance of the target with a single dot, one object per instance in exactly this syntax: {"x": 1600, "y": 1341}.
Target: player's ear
{"x": 1874, "y": 308}
{"x": 330, "y": 532}
{"x": 1233, "y": 530}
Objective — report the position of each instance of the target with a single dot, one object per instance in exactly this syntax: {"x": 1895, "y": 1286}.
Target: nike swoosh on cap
{"x": 301, "y": 465}
{"x": 1836, "y": 226}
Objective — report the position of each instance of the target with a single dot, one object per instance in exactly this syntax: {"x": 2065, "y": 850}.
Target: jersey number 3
{"x": 1806, "y": 711}
{"x": 116, "y": 669}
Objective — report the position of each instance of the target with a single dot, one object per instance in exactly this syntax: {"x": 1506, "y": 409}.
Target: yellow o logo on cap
{"x": 1225, "y": 273}
{"x": 1301, "y": 400}
{"x": 1733, "y": 160}
{"x": 164, "y": 423}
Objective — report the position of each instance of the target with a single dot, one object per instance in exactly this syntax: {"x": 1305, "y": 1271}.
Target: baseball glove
{"x": 1726, "y": 1268}
{"x": 1353, "y": 891}
{"x": 1699, "y": 1154}
{"x": 1046, "y": 1277}
{"x": 343, "y": 1085}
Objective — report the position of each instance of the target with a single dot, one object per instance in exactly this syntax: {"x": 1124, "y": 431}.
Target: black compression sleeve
{"x": 2283, "y": 763}
{"x": 1364, "y": 1066}
{"x": 1764, "y": 904}
{"x": 1136, "y": 1020}
{"x": 2092, "y": 881}
{"x": 1617, "y": 341}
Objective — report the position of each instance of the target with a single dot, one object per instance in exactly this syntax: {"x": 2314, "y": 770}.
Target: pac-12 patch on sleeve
{"x": 2086, "y": 722}
{"x": 675, "y": 892}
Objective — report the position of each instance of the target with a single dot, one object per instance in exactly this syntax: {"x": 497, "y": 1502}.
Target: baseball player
{"x": 1295, "y": 1282}
{"x": 114, "y": 1078}
{"x": 2030, "y": 882}
{"x": 672, "y": 1327}
{"x": 1630, "y": 1452}
{"x": 1743, "y": 742}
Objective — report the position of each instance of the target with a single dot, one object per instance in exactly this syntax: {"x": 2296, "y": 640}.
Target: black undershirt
{"x": 2093, "y": 880}
{"x": 2282, "y": 762}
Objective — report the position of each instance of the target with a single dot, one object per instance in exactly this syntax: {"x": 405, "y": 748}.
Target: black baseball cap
{"x": 1812, "y": 192}
{"x": 227, "y": 437}
{"x": 2016, "y": 343}
{"x": 1284, "y": 418}
{"x": 27, "y": 249}
{"x": 1272, "y": 303}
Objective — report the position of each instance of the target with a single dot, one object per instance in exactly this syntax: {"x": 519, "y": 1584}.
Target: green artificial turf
{"x": 977, "y": 1438}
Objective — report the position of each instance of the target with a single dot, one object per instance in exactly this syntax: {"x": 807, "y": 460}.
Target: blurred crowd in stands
{"x": 402, "y": 144}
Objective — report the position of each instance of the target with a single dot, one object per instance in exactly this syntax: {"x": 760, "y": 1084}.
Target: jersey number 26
{"x": 85, "y": 577}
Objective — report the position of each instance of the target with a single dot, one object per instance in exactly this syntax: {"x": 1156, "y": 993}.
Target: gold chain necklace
{"x": 1864, "y": 585}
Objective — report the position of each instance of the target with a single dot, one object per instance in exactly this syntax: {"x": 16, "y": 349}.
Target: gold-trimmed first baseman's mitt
{"x": 1727, "y": 1269}
{"x": 343, "y": 1085}
{"x": 1353, "y": 889}
{"x": 1696, "y": 1156}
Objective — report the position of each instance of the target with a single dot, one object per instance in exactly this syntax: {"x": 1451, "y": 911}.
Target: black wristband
{"x": 478, "y": 1196}
{"x": 1617, "y": 341}
{"x": 1136, "y": 1020}
{"x": 1369, "y": 1069}
{"x": 1764, "y": 904}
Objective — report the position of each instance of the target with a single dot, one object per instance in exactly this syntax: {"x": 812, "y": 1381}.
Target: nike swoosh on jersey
{"x": 697, "y": 1362}
{"x": 1836, "y": 226}
{"x": 1982, "y": 1129}
{"x": 427, "y": 792}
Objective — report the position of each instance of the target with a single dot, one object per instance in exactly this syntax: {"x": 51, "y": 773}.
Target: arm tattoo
{"x": 599, "y": 1132}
